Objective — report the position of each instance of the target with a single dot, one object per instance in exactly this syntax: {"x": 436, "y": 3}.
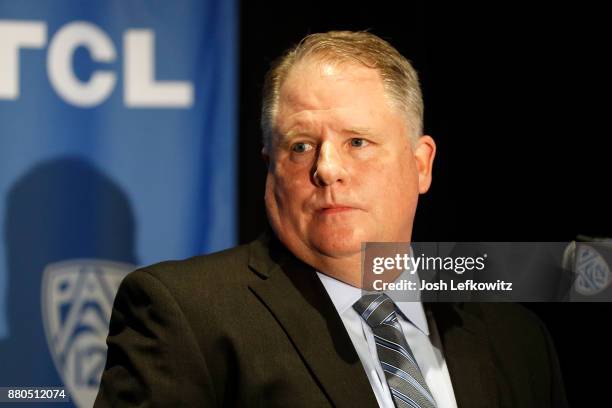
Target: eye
{"x": 358, "y": 142}
{"x": 301, "y": 147}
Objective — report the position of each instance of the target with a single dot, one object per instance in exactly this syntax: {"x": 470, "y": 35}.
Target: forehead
{"x": 313, "y": 76}
{"x": 318, "y": 88}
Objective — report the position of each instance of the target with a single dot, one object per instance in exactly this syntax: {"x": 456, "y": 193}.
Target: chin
{"x": 338, "y": 243}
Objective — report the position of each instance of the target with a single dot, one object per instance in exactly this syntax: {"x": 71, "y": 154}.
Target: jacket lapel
{"x": 470, "y": 362}
{"x": 296, "y": 298}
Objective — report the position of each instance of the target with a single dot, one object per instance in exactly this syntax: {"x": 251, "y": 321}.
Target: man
{"x": 281, "y": 321}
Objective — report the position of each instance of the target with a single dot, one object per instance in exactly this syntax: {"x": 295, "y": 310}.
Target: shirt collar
{"x": 343, "y": 296}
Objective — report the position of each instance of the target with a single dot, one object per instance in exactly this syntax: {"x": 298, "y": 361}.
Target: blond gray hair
{"x": 400, "y": 80}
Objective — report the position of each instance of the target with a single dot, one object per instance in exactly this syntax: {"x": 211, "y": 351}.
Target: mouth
{"x": 336, "y": 209}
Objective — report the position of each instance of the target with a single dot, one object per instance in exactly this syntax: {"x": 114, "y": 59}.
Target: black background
{"x": 514, "y": 97}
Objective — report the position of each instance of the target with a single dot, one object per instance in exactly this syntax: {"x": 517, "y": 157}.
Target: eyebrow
{"x": 293, "y": 132}
{"x": 361, "y": 131}
{"x": 284, "y": 139}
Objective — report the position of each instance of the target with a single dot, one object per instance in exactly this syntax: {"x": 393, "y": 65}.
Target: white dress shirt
{"x": 420, "y": 332}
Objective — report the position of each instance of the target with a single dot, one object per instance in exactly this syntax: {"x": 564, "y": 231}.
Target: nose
{"x": 329, "y": 167}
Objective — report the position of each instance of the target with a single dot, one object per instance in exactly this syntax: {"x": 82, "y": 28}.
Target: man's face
{"x": 342, "y": 169}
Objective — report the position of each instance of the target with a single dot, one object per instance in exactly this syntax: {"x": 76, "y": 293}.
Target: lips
{"x": 335, "y": 209}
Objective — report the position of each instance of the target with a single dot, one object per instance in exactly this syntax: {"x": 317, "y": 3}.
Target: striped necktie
{"x": 402, "y": 372}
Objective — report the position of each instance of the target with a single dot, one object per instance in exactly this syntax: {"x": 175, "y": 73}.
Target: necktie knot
{"x": 375, "y": 309}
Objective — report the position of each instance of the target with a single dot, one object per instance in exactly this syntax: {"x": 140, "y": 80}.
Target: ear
{"x": 265, "y": 156}
{"x": 424, "y": 153}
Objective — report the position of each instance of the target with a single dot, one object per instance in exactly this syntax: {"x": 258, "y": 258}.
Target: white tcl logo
{"x": 140, "y": 89}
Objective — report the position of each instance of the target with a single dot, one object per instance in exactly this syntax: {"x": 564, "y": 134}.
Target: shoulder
{"x": 228, "y": 265}
{"x": 507, "y": 322}
{"x": 196, "y": 276}
{"x": 518, "y": 340}
{"x": 502, "y": 316}
{"x": 510, "y": 328}
{"x": 510, "y": 339}
{"x": 514, "y": 335}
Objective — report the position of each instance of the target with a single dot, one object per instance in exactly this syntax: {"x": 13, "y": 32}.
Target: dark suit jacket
{"x": 253, "y": 326}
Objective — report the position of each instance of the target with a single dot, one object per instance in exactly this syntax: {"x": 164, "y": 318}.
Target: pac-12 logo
{"x": 592, "y": 271}
{"x": 77, "y": 299}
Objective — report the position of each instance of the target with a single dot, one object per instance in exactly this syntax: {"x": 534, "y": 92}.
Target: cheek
{"x": 270, "y": 199}
{"x": 390, "y": 186}
{"x": 288, "y": 188}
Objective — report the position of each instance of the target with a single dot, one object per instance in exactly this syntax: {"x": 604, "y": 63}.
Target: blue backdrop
{"x": 117, "y": 149}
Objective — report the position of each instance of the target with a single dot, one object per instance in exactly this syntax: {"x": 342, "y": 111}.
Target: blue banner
{"x": 117, "y": 149}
